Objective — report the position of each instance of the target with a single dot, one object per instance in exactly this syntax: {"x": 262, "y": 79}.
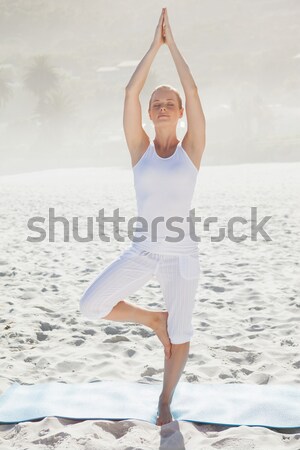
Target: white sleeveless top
{"x": 164, "y": 188}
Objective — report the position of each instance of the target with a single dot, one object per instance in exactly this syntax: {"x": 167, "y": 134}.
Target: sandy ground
{"x": 246, "y": 316}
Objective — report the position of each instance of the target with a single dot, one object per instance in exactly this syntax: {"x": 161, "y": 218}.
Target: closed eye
{"x": 168, "y": 104}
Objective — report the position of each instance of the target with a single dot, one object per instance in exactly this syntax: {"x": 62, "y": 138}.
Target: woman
{"x": 165, "y": 174}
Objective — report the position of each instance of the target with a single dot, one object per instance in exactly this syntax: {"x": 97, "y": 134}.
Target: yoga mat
{"x": 275, "y": 405}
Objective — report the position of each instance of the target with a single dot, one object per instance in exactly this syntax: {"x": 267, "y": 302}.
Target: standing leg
{"x": 173, "y": 370}
{"x": 178, "y": 277}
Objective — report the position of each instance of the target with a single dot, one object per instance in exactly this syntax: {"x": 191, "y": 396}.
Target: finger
{"x": 160, "y": 22}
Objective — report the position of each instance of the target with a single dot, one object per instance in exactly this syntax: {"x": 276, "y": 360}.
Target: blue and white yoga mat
{"x": 276, "y": 405}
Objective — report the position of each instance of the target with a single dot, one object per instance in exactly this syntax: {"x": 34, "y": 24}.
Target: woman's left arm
{"x": 195, "y": 135}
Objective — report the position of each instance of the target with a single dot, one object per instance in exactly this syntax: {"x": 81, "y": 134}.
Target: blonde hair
{"x": 171, "y": 88}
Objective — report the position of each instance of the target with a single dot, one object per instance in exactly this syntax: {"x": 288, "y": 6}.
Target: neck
{"x": 166, "y": 143}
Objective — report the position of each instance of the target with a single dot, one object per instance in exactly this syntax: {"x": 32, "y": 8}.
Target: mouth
{"x": 163, "y": 115}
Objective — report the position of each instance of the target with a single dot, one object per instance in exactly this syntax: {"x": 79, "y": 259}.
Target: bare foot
{"x": 160, "y": 328}
{"x": 163, "y": 414}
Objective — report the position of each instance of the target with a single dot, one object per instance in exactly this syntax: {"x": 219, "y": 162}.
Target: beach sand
{"x": 246, "y": 316}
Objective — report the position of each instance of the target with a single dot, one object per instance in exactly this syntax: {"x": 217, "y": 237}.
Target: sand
{"x": 246, "y": 316}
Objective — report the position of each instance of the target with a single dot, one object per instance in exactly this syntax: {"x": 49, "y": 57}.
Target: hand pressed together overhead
{"x": 163, "y": 33}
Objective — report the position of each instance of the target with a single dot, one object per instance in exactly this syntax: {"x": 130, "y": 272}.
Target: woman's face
{"x": 164, "y": 107}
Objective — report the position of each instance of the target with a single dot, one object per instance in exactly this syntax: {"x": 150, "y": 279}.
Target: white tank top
{"x": 164, "y": 188}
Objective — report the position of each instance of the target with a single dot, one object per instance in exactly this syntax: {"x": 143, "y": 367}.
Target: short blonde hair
{"x": 171, "y": 88}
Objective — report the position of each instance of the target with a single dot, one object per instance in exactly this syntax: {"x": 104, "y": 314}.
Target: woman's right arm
{"x": 136, "y": 137}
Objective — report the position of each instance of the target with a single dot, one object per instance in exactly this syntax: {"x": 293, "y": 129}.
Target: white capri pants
{"x": 178, "y": 276}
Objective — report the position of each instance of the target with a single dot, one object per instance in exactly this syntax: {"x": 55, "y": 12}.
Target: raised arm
{"x": 136, "y": 137}
{"x": 194, "y": 138}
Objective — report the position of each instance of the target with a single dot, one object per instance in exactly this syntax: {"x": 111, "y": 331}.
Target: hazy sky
{"x": 64, "y": 66}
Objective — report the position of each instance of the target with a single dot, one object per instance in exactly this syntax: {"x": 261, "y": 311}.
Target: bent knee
{"x": 93, "y": 309}
{"x": 85, "y": 308}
